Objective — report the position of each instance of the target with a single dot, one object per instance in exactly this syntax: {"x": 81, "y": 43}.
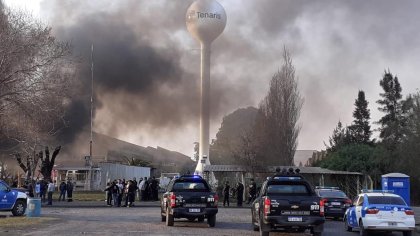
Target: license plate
{"x": 392, "y": 223}
{"x": 335, "y": 203}
{"x": 294, "y": 219}
{"x": 194, "y": 210}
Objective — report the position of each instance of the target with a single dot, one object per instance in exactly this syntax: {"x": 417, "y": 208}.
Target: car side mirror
{"x": 8, "y": 190}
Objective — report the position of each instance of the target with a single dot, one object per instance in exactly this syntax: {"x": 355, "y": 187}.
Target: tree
{"x": 36, "y": 81}
{"x": 46, "y": 167}
{"x": 394, "y": 121}
{"x": 360, "y": 128}
{"x": 277, "y": 129}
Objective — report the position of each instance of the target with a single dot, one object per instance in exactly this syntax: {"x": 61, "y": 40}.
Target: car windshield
{"x": 190, "y": 185}
{"x": 329, "y": 193}
{"x": 288, "y": 189}
{"x": 387, "y": 200}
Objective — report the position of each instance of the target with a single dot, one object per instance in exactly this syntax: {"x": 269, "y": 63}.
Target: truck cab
{"x": 287, "y": 202}
{"x": 189, "y": 196}
{"x": 12, "y": 199}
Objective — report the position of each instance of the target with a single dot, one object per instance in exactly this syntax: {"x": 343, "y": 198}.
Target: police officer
{"x": 252, "y": 191}
{"x": 239, "y": 193}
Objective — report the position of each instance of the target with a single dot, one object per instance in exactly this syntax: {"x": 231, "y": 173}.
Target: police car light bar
{"x": 287, "y": 177}
{"x": 376, "y": 191}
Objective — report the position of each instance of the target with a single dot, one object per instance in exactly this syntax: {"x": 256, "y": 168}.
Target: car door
{"x": 358, "y": 208}
{"x": 7, "y": 197}
{"x": 351, "y": 214}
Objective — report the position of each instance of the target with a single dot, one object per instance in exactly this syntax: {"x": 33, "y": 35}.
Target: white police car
{"x": 379, "y": 211}
{"x": 12, "y": 200}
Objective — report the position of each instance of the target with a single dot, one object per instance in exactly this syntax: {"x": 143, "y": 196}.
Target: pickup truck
{"x": 12, "y": 199}
{"x": 189, "y": 196}
{"x": 288, "y": 202}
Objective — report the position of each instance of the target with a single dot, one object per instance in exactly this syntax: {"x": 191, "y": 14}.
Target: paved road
{"x": 146, "y": 221}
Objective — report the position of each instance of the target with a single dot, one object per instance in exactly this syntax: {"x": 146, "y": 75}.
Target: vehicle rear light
{"x": 173, "y": 200}
{"x": 347, "y": 203}
{"x": 216, "y": 200}
{"x": 321, "y": 207}
{"x": 372, "y": 211}
{"x": 267, "y": 206}
{"x": 409, "y": 212}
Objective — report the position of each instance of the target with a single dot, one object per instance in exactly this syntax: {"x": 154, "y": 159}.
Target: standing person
{"x": 135, "y": 184}
{"x": 120, "y": 195}
{"x": 252, "y": 191}
{"x": 131, "y": 192}
{"x": 146, "y": 189}
{"x": 108, "y": 192}
{"x": 31, "y": 189}
{"x": 139, "y": 188}
{"x": 226, "y": 190}
{"x": 115, "y": 189}
{"x": 239, "y": 193}
{"x": 154, "y": 189}
{"x": 62, "y": 188}
{"x": 43, "y": 190}
{"x": 38, "y": 189}
{"x": 50, "y": 190}
{"x": 142, "y": 189}
{"x": 69, "y": 191}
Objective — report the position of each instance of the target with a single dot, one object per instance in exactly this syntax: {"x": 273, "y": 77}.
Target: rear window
{"x": 190, "y": 185}
{"x": 387, "y": 200}
{"x": 288, "y": 189}
{"x": 332, "y": 194}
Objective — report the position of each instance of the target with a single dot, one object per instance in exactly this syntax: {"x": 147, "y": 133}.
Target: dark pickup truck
{"x": 189, "y": 196}
{"x": 287, "y": 202}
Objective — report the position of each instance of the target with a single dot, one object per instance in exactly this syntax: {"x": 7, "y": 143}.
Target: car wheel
{"x": 347, "y": 227}
{"x": 191, "y": 219}
{"x": 200, "y": 219}
{"x": 407, "y": 233}
{"x": 363, "y": 231}
{"x": 19, "y": 208}
{"x": 169, "y": 218}
{"x": 211, "y": 220}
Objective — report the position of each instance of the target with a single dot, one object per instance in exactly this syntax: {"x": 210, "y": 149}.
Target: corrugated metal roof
{"x": 272, "y": 169}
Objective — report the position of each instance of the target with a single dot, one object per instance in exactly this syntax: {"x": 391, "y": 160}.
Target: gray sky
{"x": 147, "y": 64}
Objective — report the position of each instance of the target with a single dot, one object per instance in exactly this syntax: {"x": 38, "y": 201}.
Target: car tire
{"x": 169, "y": 218}
{"x": 19, "y": 208}
{"x": 347, "y": 227}
{"x": 200, "y": 219}
{"x": 362, "y": 230}
{"x": 211, "y": 220}
{"x": 407, "y": 233}
{"x": 191, "y": 219}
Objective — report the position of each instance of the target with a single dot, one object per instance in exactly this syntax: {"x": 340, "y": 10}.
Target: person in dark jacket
{"x": 226, "y": 190}
{"x": 69, "y": 191}
{"x": 63, "y": 189}
{"x": 131, "y": 192}
{"x": 108, "y": 192}
{"x": 239, "y": 193}
{"x": 252, "y": 191}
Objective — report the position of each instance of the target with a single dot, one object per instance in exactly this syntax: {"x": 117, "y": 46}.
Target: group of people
{"x": 239, "y": 190}
{"x": 44, "y": 189}
{"x": 122, "y": 193}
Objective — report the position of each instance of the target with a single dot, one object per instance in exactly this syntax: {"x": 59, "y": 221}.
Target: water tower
{"x": 206, "y": 20}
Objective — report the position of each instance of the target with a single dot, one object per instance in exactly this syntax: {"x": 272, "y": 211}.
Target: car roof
{"x": 379, "y": 194}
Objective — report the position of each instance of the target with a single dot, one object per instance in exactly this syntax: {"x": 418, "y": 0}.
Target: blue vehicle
{"x": 379, "y": 211}
{"x": 12, "y": 200}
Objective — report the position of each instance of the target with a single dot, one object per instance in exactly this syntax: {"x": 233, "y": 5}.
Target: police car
{"x": 379, "y": 211}
{"x": 12, "y": 200}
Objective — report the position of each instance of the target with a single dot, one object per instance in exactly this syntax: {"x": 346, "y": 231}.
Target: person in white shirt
{"x": 141, "y": 189}
{"x": 50, "y": 190}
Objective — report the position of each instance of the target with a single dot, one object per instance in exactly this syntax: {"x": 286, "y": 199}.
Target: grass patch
{"x": 20, "y": 222}
{"x": 85, "y": 196}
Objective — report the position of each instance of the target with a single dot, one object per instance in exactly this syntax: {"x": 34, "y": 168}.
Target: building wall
{"x": 111, "y": 171}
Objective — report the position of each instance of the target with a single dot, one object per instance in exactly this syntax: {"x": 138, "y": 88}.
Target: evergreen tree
{"x": 393, "y": 122}
{"x": 360, "y": 129}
